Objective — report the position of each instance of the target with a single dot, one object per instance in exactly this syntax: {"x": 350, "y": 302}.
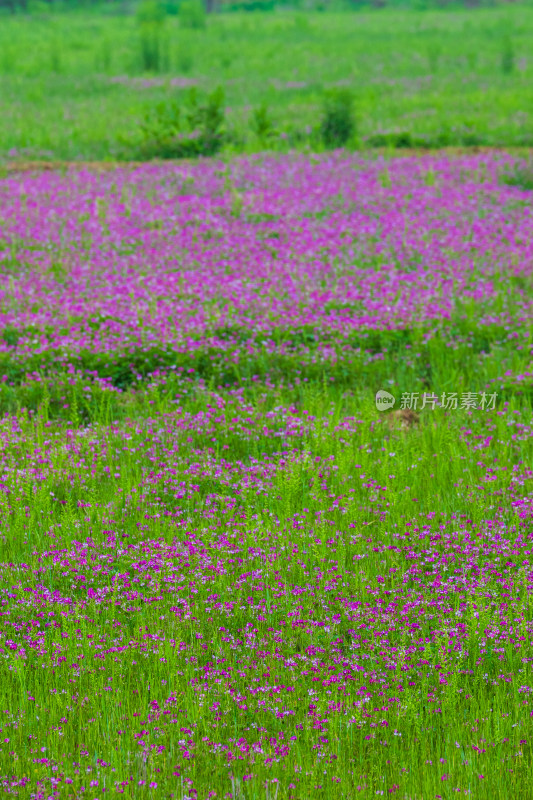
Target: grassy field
{"x": 73, "y": 84}
{"x": 224, "y": 572}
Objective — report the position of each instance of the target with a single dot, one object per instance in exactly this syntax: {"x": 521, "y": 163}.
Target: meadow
{"x": 78, "y": 85}
{"x": 223, "y": 571}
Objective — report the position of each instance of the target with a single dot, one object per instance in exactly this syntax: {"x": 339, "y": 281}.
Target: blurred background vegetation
{"x": 93, "y": 81}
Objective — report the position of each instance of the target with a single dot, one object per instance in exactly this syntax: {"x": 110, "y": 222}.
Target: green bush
{"x": 184, "y": 61}
{"x": 192, "y": 14}
{"x": 338, "y": 120}
{"x": 151, "y": 19}
{"x": 507, "y": 59}
{"x": 521, "y": 177}
{"x": 188, "y": 131}
{"x": 261, "y": 123}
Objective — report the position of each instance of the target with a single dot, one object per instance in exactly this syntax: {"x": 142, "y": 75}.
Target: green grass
{"x": 245, "y": 507}
{"x": 450, "y": 77}
{"x": 87, "y": 717}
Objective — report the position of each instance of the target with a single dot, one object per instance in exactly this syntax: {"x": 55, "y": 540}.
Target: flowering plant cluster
{"x": 222, "y": 574}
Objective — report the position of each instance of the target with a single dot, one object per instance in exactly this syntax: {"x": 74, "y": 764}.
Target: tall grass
{"x": 85, "y": 714}
{"x": 223, "y": 572}
{"x": 151, "y": 22}
{"x": 421, "y": 79}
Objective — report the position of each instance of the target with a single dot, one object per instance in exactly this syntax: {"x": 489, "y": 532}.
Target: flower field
{"x": 223, "y": 571}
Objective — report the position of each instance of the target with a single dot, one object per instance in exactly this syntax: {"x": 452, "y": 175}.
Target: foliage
{"x": 508, "y": 57}
{"x": 521, "y": 176}
{"x": 337, "y": 126}
{"x": 420, "y": 78}
{"x": 150, "y": 12}
{"x": 224, "y": 571}
{"x": 261, "y": 123}
{"x": 151, "y": 19}
{"x": 192, "y": 15}
{"x": 188, "y": 130}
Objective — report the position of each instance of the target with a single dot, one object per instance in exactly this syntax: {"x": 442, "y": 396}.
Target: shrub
{"x": 521, "y": 177}
{"x": 188, "y": 131}
{"x": 338, "y": 121}
{"x": 192, "y": 14}
{"x": 151, "y": 20}
{"x": 184, "y": 61}
{"x": 507, "y": 59}
{"x": 261, "y": 123}
{"x": 55, "y": 56}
